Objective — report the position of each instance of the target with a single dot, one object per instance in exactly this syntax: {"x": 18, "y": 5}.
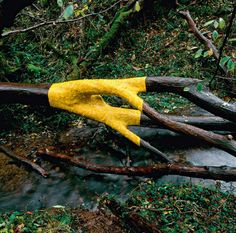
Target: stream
{"x": 70, "y": 186}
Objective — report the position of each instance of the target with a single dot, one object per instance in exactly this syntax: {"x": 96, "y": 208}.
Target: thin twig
{"x": 224, "y": 41}
{"x": 25, "y": 161}
{"x": 55, "y": 22}
{"x": 208, "y": 43}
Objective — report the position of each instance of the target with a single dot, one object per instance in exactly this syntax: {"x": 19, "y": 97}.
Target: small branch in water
{"x": 208, "y": 172}
{"x": 25, "y": 161}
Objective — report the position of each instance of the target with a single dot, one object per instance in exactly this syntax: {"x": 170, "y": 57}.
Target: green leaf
{"x": 198, "y": 53}
{"x": 221, "y": 23}
{"x": 231, "y": 65}
{"x": 224, "y": 60}
{"x": 205, "y": 54}
{"x": 186, "y": 89}
{"x": 137, "y": 7}
{"x": 34, "y": 69}
{"x": 199, "y": 87}
{"x": 216, "y": 24}
{"x": 68, "y": 12}
{"x": 215, "y": 35}
{"x": 209, "y": 22}
{"x": 60, "y": 3}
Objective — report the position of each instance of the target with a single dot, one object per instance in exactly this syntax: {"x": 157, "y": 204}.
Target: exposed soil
{"x": 99, "y": 221}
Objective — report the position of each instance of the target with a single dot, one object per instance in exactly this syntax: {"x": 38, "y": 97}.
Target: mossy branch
{"x": 95, "y": 51}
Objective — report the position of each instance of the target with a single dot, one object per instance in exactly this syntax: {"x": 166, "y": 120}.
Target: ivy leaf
{"x": 209, "y": 22}
{"x": 215, "y": 35}
{"x": 231, "y": 65}
{"x": 221, "y": 23}
{"x": 186, "y": 89}
{"x": 216, "y": 24}
{"x": 210, "y": 52}
{"x": 199, "y": 87}
{"x": 198, "y": 53}
{"x": 68, "y": 12}
{"x": 205, "y": 54}
{"x": 60, "y": 3}
{"x": 224, "y": 60}
{"x": 137, "y": 7}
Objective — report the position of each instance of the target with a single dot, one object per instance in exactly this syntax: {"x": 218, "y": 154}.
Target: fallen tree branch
{"x": 20, "y": 93}
{"x": 212, "y": 123}
{"x": 188, "y": 88}
{"x": 56, "y": 22}
{"x": 208, "y": 43}
{"x": 220, "y": 141}
{"x": 25, "y": 161}
{"x": 207, "y": 172}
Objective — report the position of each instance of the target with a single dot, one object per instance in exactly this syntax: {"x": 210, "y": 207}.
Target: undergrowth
{"x": 182, "y": 208}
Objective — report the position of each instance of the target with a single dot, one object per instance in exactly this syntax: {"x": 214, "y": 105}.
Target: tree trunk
{"x": 9, "y": 9}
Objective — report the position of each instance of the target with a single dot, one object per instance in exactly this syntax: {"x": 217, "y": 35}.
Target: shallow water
{"x": 72, "y": 186}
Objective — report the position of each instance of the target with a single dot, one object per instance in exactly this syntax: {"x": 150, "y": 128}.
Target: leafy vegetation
{"x": 182, "y": 208}
{"x": 51, "y": 220}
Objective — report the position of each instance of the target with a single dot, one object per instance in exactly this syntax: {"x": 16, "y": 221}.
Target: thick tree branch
{"x": 208, "y": 172}
{"x": 212, "y": 123}
{"x": 203, "y": 98}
